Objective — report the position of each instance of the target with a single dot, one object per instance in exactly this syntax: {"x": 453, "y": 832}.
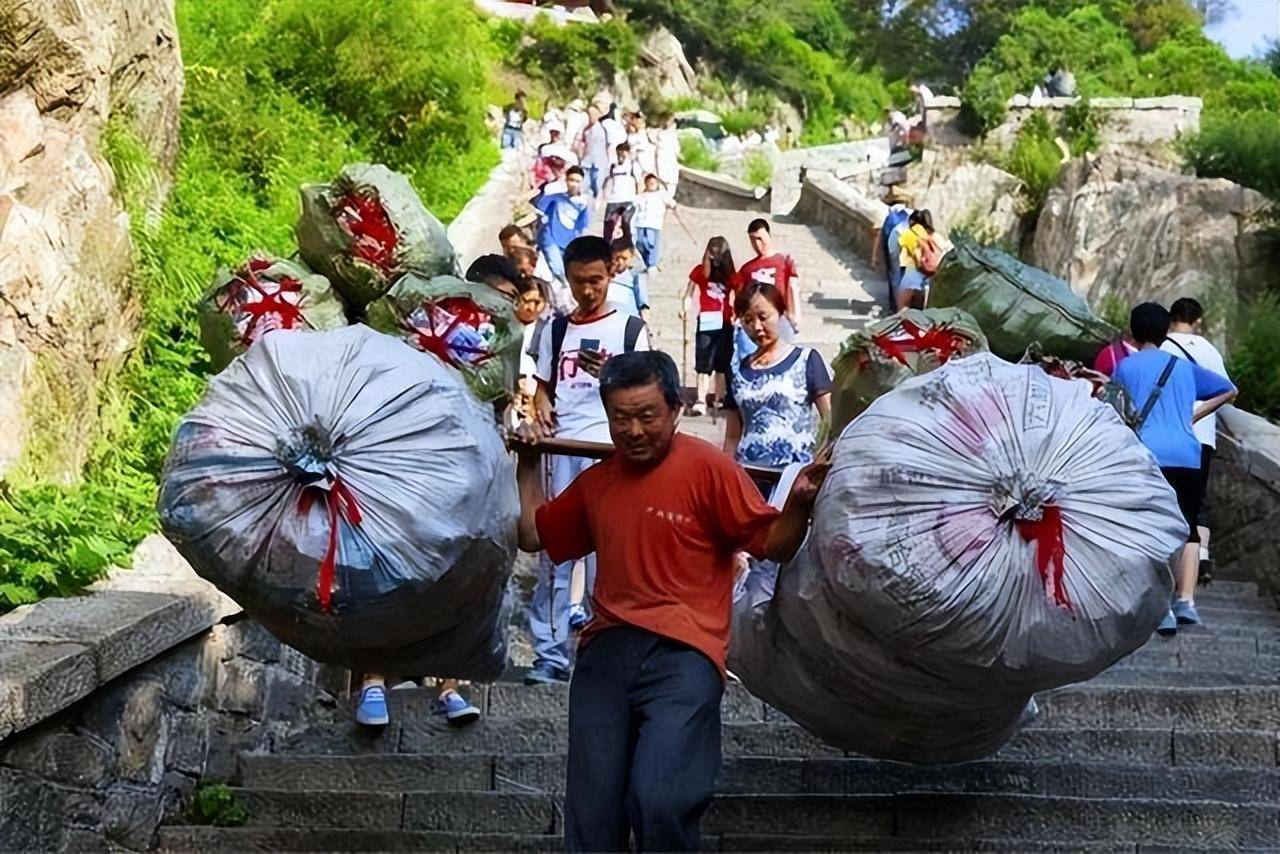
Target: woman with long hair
{"x": 779, "y": 394}
{"x": 714, "y": 282}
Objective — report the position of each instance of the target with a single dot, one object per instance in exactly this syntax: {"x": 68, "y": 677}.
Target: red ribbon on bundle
{"x": 945, "y": 342}
{"x": 366, "y": 220}
{"x": 1046, "y": 534}
{"x": 339, "y": 502}
{"x": 270, "y": 303}
{"x": 463, "y": 311}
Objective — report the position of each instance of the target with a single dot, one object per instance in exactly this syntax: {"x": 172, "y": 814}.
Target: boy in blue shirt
{"x": 564, "y": 215}
{"x": 1172, "y": 386}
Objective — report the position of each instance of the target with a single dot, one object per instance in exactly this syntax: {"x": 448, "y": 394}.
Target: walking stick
{"x": 684, "y": 351}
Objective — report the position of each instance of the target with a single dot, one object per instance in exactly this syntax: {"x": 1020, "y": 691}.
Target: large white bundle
{"x": 986, "y": 532}
{"x": 350, "y": 493}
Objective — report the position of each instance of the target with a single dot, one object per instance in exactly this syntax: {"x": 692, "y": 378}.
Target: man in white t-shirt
{"x": 596, "y": 156}
{"x": 1185, "y": 342}
{"x": 567, "y": 404}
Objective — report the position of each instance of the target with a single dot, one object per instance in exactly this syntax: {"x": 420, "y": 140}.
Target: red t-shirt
{"x": 777, "y": 270}
{"x": 714, "y": 296}
{"x": 664, "y": 539}
{"x": 1112, "y": 355}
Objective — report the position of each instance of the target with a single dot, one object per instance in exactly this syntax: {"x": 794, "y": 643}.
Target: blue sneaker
{"x": 545, "y": 674}
{"x": 1186, "y": 613}
{"x": 456, "y": 709}
{"x": 372, "y": 710}
{"x": 1168, "y": 626}
{"x": 578, "y": 618}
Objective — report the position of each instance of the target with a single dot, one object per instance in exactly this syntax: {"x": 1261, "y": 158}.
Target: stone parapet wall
{"x": 1244, "y": 512}
{"x": 114, "y": 704}
{"x": 1124, "y": 121}
{"x": 829, "y": 202}
{"x": 698, "y": 189}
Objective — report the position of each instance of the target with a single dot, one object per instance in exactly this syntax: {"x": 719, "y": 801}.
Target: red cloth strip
{"x": 439, "y": 345}
{"x": 340, "y": 502}
{"x": 1046, "y": 534}
{"x": 911, "y": 339}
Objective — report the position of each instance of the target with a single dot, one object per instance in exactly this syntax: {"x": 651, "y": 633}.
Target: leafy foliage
{"x": 1254, "y": 363}
{"x": 1242, "y": 147}
{"x": 696, "y": 154}
{"x": 1035, "y": 158}
{"x": 575, "y": 60}
{"x": 757, "y": 170}
{"x": 219, "y": 806}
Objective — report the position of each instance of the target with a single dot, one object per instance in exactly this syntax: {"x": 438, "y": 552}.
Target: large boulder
{"x": 69, "y": 312}
{"x": 1119, "y": 230}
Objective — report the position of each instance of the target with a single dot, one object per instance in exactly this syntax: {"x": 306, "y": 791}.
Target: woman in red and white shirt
{"x": 714, "y": 281}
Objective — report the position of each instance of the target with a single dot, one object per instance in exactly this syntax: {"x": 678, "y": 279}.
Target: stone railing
{"x": 1121, "y": 120}
{"x": 1245, "y": 499}
{"x": 698, "y": 189}
{"x": 829, "y": 202}
{"x": 474, "y": 231}
{"x": 115, "y": 703}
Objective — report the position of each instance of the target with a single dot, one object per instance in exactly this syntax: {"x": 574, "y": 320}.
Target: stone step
{"x": 1210, "y": 708}
{"x": 924, "y": 816}
{"x": 545, "y": 773}
{"x": 1258, "y": 675}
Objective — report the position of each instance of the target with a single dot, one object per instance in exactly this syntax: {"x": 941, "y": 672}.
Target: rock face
{"x": 1130, "y": 231}
{"x": 68, "y": 312}
{"x": 665, "y": 66}
{"x": 967, "y": 196}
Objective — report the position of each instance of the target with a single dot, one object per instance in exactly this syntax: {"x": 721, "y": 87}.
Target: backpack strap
{"x": 559, "y": 328}
{"x": 631, "y": 336}
{"x": 1155, "y": 393}
{"x": 1176, "y": 343}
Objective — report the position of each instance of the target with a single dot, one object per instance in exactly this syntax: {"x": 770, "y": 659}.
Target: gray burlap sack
{"x": 352, "y": 496}
{"x": 367, "y": 228}
{"x": 986, "y": 532}
{"x": 263, "y": 295}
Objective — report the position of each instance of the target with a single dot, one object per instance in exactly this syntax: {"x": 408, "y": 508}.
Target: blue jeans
{"x": 555, "y": 259}
{"x": 644, "y": 743}
{"x": 592, "y": 174}
{"x": 649, "y": 245}
{"x": 549, "y": 606}
{"x": 511, "y": 138}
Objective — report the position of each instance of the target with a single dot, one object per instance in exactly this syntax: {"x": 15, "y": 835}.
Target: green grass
{"x": 758, "y": 170}
{"x": 696, "y": 154}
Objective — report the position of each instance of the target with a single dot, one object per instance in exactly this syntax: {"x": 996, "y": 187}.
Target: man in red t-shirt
{"x": 774, "y": 268}
{"x": 665, "y": 517}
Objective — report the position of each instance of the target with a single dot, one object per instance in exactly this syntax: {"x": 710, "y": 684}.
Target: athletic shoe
{"x": 545, "y": 674}
{"x": 578, "y": 618}
{"x": 455, "y": 708}
{"x": 1186, "y": 613}
{"x": 697, "y": 410}
{"x": 372, "y": 710}
{"x": 1168, "y": 626}
{"x": 1029, "y": 712}
{"x": 1206, "y": 570}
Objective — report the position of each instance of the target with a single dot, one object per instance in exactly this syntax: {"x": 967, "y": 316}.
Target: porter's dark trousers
{"x": 644, "y": 743}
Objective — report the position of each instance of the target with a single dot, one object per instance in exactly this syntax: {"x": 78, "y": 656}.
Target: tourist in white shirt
{"x": 1186, "y": 317}
{"x": 595, "y": 150}
{"x": 650, "y": 213}
{"x": 620, "y": 190}
{"x": 667, "y": 158}
{"x": 643, "y": 150}
{"x": 567, "y": 404}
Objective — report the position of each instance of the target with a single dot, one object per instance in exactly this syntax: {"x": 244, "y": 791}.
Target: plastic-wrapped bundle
{"x": 353, "y": 497}
{"x": 467, "y": 325}
{"x": 366, "y": 229}
{"x": 878, "y": 358}
{"x": 262, "y": 295}
{"x": 1018, "y": 305}
{"x": 986, "y": 532}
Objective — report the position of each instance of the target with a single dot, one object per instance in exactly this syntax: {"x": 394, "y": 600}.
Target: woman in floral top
{"x": 776, "y": 395}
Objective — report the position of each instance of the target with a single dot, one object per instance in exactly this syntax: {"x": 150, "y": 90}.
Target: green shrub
{"x": 1035, "y": 158}
{"x": 696, "y": 154}
{"x": 1081, "y": 127}
{"x": 217, "y": 805}
{"x": 575, "y": 60}
{"x": 742, "y": 121}
{"x": 1243, "y": 147}
{"x": 1254, "y": 361}
{"x": 757, "y": 170}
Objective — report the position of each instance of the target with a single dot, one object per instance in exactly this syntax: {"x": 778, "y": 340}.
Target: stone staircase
{"x": 1176, "y": 748}
{"x": 1173, "y": 749}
